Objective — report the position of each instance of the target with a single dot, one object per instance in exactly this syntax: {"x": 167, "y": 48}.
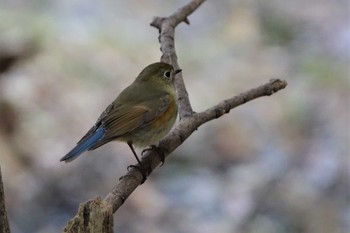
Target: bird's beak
{"x": 178, "y": 71}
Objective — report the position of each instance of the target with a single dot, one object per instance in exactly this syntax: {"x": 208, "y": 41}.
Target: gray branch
{"x": 189, "y": 120}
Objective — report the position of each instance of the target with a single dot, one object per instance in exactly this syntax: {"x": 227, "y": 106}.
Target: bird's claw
{"x": 142, "y": 170}
{"x": 159, "y": 151}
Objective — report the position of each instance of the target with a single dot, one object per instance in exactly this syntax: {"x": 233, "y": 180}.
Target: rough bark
{"x": 4, "y": 223}
{"x": 94, "y": 216}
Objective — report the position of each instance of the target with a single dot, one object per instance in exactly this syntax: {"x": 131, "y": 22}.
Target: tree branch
{"x": 4, "y": 223}
{"x": 189, "y": 120}
{"x": 166, "y": 27}
{"x": 181, "y": 132}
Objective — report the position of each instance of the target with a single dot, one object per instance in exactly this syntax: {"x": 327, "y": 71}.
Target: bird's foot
{"x": 144, "y": 172}
{"x": 159, "y": 150}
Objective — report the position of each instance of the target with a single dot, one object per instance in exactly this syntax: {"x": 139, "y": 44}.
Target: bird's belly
{"x": 149, "y": 135}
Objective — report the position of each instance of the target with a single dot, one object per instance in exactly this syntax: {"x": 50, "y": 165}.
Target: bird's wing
{"x": 118, "y": 120}
{"x": 126, "y": 118}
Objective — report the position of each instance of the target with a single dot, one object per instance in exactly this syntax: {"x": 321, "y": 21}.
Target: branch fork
{"x": 189, "y": 120}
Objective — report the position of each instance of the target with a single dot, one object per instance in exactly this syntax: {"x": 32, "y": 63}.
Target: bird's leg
{"x": 134, "y": 152}
{"x": 142, "y": 170}
{"x": 159, "y": 150}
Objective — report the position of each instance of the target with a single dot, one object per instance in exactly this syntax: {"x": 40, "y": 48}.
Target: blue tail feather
{"x": 84, "y": 145}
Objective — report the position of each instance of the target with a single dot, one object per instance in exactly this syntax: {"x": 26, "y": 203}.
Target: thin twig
{"x": 181, "y": 132}
{"x": 189, "y": 120}
{"x": 166, "y": 27}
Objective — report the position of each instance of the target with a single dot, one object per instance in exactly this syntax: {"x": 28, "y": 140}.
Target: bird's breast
{"x": 168, "y": 116}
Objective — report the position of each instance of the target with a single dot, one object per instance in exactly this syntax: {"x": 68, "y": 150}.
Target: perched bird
{"x": 141, "y": 115}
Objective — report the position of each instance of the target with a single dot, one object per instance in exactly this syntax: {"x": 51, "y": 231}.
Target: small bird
{"x": 141, "y": 115}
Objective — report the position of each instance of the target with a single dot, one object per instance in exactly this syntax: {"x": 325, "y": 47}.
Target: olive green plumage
{"x": 141, "y": 115}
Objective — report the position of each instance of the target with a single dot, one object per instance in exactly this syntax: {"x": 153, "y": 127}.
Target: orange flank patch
{"x": 167, "y": 115}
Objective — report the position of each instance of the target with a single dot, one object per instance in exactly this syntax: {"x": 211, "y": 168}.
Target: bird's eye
{"x": 167, "y": 74}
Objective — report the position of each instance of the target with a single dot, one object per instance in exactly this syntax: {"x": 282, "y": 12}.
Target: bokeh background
{"x": 277, "y": 164}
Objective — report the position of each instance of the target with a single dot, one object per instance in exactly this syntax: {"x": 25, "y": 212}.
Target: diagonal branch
{"x": 189, "y": 120}
{"x": 181, "y": 132}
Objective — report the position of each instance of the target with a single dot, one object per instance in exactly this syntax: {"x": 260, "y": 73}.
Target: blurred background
{"x": 276, "y": 164}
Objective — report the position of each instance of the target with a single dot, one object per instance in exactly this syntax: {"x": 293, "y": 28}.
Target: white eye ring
{"x": 167, "y": 74}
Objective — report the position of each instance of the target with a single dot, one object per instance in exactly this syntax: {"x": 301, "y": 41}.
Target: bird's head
{"x": 159, "y": 73}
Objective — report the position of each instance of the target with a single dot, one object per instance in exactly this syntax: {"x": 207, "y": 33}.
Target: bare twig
{"x": 189, "y": 120}
{"x": 166, "y": 27}
{"x": 181, "y": 132}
